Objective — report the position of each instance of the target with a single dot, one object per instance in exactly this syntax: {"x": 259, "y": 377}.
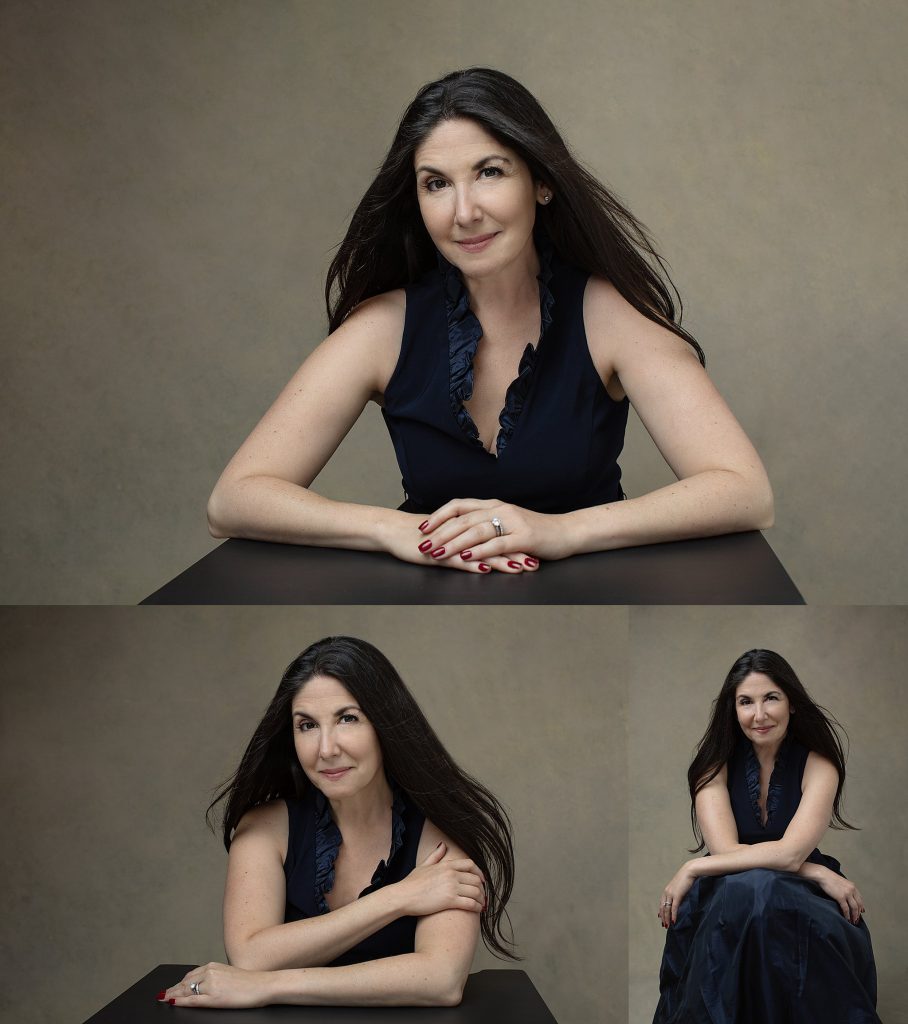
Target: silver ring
{"x": 194, "y": 985}
{"x": 499, "y": 527}
{"x": 667, "y": 903}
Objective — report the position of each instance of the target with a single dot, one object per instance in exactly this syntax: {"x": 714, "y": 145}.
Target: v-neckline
{"x": 464, "y": 335}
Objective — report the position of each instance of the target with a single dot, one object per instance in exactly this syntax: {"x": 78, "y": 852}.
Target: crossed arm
{"x": 790, "y": 853}
{"x": 276, "y": 962}
{"x": 265, "y": 493}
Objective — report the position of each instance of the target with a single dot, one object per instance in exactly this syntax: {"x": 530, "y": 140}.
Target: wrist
{"x": 284, "y": 986}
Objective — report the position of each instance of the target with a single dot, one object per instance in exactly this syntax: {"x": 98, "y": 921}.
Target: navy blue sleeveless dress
{"x": 312, "y": 848}
{"x": 763, "y": 946}
{"x": 560, "y": 432}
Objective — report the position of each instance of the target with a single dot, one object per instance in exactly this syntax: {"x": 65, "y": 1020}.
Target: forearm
{"x": 777, "y": 855}
{"x": 315, "y": 941}
{"x": 706, "y": 504}
{"x": 272, "y": 509}
{"x": 412, "y": 979}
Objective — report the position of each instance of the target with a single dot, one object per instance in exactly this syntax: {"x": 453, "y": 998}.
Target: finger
{"x": 461, "y": 534}
{"x": 437, "y": 854}
{"x": 452, "y": 509}
{"x": 465, "y": 864}
{"x": 468, "y": 903}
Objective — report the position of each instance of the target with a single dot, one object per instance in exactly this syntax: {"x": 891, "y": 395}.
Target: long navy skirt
{"x": 765, "y": 947}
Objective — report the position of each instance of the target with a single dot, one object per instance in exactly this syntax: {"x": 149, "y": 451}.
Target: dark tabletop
{"x": 490, "y": 997}
{"x": 735, "y": 569}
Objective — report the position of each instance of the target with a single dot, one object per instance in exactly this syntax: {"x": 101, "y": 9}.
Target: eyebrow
{"x": 478, "y": 166}
{"x": 340, "y": 711}
{"x": 769, "y": 693}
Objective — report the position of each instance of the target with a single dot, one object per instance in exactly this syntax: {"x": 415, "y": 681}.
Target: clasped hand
{"x": 442, "y": 883}
{"x": 461, "y": 535}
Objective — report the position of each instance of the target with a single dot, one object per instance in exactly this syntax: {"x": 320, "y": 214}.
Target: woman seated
{"x": 765, "y": 929}
{"x": 503, "y": 308}
{"x": 363, "y": 862}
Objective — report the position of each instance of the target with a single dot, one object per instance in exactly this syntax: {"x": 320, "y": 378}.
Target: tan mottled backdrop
{"x": 118, "y": 723}
{"x": 176, "y": 174}
{"x": 852, "y": 660}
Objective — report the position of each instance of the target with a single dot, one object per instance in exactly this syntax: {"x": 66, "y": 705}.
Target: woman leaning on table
{"x": 765, "y": 929}
{"x": 364, "y": 863}
{"x": 503, "y": 309}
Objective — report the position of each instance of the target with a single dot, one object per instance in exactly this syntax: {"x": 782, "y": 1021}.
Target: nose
{"x": 465, "y": 210}
{"x": 759, "y": 713}
{"x": 327, "y": 744}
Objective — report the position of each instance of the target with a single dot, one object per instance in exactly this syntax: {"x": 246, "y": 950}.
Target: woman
{"x": 342, "y": 769}
{"x": 765, "y": 928}
{"x": 501, "y": 306}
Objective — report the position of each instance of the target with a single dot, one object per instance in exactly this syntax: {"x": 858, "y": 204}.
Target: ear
{"x": 544, "y": 193}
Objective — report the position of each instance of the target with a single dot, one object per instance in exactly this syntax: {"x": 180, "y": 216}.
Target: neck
{"x": 365, "y": 810}
{"x": 513, "y": 285}
{"x": 767, "y": 754}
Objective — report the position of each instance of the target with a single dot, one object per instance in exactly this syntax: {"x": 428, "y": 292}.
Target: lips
{"x": 475, "y": 244}
{"x": 333, "y": 773}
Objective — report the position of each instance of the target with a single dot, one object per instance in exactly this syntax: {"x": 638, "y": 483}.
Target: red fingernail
{"x": 484, "y": 568}
{"x": 531, "y": 562}
{"x": 172, "y": 1001}
{"x": 438, "y": 552}
{"x": 422, "y": 526}
{"x": 426, "y": 544}
{"x": 485, "y": 907}
{"x": 466, "y": 555}
{"x": 515, "y": 565}
{"x": 161, "y": 994}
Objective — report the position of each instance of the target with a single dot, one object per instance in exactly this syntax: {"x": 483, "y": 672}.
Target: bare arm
{"x": 722, "y": 486}
{"x": 255, "y": 934}
{"x": 264, "y": 493}
{"x": 434, "y": 974}
{"x": 727, "y": 855}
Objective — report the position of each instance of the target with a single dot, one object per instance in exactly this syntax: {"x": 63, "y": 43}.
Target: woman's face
{"x": 763, "y": 709}
{"x": 477, "y": 198}
{"x": 336, "y": 745}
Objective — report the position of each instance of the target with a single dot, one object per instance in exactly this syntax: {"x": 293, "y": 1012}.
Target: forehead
{"x": 459, "y": 141}
{"x": 321, "y": 693}
{"x": 756, "y": 685}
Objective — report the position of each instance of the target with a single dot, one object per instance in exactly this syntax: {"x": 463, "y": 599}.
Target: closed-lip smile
{"x": 333, "y": 773}
{"x": 478, "y": 241}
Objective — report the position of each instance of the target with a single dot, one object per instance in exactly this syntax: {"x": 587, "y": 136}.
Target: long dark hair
{"x": 387, "y": 245}
{"x": 810, "y": 724}
{"x": 462, "y": 808}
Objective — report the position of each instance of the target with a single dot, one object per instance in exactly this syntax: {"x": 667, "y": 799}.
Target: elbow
{"x": 450, "y": 994}
{"x": 218, "y": 511}
{"x": 791, "y": 860}
{"x": 765, "y": 510}
{"x": 758, "y": 506}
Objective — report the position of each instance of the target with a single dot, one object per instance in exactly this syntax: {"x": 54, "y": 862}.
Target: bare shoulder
{"x": 820, "y": 769}
{"x": 264, "y": 827}
{"x": 371, "y": 336}
{"x": 620, "y": 336}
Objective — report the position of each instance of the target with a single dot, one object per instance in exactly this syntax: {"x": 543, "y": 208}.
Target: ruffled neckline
{"x": 752, "y": 779}
{"x": 328, "y": 841}
{"x": 464, "y": 334}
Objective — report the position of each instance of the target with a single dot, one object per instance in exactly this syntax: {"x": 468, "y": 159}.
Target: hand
{"x": 845, "y": 893}
{"x": 462, "y": 529}
{"x": 220, "y": 987}
{"x": 673, "y": 894}
{"x": 401, "y": 537}
{"x": 442, "y": 883}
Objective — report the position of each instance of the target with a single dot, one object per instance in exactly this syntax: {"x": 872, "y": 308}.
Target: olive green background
{"x": 118, "y": 723}
{"x": 176, "y": 174}
{"x": 852, "y": 661}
